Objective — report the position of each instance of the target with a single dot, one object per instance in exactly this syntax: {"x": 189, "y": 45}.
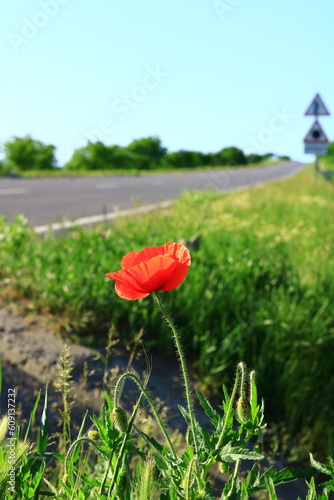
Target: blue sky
{"x": 200, "y": 74}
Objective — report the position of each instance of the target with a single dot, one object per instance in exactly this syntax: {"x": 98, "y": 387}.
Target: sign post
{"x": 316, "y": 141}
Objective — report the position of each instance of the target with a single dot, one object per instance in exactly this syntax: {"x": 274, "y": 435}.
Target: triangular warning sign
{"x": 317, "y": 107}
{"x": 316, "y": 135}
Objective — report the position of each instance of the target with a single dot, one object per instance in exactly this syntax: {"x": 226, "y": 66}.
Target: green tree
{"x": 254, "y": 158}
{"x": 26, "y": 153}
{"x": 184, "y": 159}
{"x": 98, "y": 156}
{"x": 231, "y": 156}
{"x": 146, "y": 153}
{"x": 93, "y": 156}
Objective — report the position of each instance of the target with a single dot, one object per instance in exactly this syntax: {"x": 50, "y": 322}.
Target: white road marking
{"x": 107, "y": 185}
{"x": 12, "y": 191}
{"x": 94, "y": 219}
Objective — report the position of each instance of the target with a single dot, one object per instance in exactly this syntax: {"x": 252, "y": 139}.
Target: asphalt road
{"x": 47, "y": 200}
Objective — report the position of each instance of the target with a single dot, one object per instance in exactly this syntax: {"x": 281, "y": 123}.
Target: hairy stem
{"x": 241, "y": 367}
{"x": 230, "y": 407}
{"x": 121, "y": 451}
{"x": 183, "y": 367}
{"x": 150, "y": 401}
{"x": 68, "y": 460}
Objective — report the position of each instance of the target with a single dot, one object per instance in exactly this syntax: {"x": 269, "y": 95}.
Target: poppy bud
{"x": 93, "y": 435}
{"x": 119, "y": 418}
{"x": 243, "y": 409}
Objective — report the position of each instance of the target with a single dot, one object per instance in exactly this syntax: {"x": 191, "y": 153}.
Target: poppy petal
{"x": 161, "y": 268}
{"x": 155, "y": 273}
{"x": 147, "y": 254}
{"x": 176, "y": 278}
{"x": 128, "y": 259}
{"x": 124, "y": 277}
{"x": 128, "y": 293}
{"x": 179, "y": 251}
{"x": 154, "y": 268}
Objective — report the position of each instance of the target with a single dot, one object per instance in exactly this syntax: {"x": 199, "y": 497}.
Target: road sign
{"x": 315, "y": 149}
{"x": 316, "y": 135}
{"x": 316, "y": 140}
{"x": 317, "y": 107}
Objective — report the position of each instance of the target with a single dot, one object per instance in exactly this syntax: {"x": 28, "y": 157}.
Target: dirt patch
{"x": 30, "y": 351}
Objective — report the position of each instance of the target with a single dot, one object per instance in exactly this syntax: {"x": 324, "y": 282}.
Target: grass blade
{"x": 42, "y": 438}
{"x": 32, "y": 415}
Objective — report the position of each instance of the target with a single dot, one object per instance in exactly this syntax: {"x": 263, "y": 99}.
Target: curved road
{"x": 47, "y": 200}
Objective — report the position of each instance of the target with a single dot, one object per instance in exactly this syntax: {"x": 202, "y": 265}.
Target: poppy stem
{"x": 142, "y": 388}
{"x": 183, "y": 367}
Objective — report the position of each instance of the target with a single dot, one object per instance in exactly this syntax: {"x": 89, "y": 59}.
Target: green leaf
{"x": 38, "y": 477}
{"x": 161, "y": 464}
{"x": 109, "y": 403}
{"x": 52, "y": 488}
{"x": 321, "y": 467}
{"x": 271, "y": 488}
{"x": 88, "y": 479}
{"x": 208, "y": 409}
{"x": 253, "y": 476}
{"x": 160, "y": 448}
{"x": 231, "y": 454}
{"x": 82, "y": 426}
{"x": 328, "y": 484}
{"x": 226, "y": 395}
{"x": 32, "y": 415}
{"x": 254, "y": 406}
{"x": 283, "y": 476}
{"x": 59, "y": 456}
{"x": 289, "y": 474}
{"x": 184, "y": 414}
{"x": 311, "y": 494}
{"x": 43, "y": 434}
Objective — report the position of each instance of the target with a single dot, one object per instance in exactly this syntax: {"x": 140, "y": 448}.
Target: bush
{"x": 146, "y": 153}
{"x": 98, "y": 156}
{"x": 140, "y": 154}
{"x": 183, "y": 159}
{"x": 25, "y": 153}
{"x": 231, "y": 156}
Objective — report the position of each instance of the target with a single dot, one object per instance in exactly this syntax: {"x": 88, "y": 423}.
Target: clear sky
{"x": 200, "y": 74}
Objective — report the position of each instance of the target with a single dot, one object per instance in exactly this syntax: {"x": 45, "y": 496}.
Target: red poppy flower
{"x": 152, "y": 269}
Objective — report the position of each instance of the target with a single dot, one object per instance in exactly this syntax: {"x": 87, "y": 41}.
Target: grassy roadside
{"x": 327, "y": 163}
{"x": 260, "y": 289}
{"x": 60, "y": 172}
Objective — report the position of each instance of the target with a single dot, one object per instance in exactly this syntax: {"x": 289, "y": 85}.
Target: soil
{"x": 30, "y": 350}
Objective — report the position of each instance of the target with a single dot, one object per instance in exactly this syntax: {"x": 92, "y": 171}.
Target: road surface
{"x": 47, "y": 200}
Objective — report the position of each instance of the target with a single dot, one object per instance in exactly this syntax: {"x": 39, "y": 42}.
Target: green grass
{"x": 327, "y": 164}
{"x": 260, "y": 289}
{"x": 117, "y": 455}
